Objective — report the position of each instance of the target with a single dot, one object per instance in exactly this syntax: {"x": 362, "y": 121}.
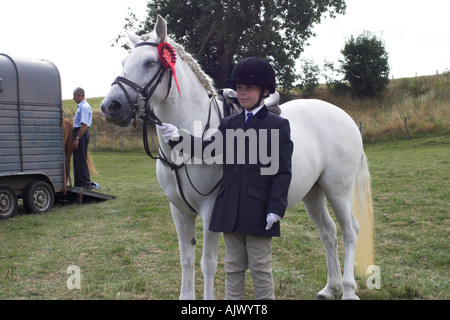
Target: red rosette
{"x": 168, "y": 58}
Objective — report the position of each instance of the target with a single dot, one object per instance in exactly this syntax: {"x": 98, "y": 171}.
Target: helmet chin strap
{"x": 261, "y": 97}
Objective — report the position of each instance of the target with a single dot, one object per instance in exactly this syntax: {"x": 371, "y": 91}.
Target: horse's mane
{"x": 205, "y": 80}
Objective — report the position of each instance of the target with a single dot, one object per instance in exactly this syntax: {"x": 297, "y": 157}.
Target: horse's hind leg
{"x": 185, "y": 225}
{"x": 315, "y": 205}
{"x": 339, "y": 197}
{"x": 350, "y": 227}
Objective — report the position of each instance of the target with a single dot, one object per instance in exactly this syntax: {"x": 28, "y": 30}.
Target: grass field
{"x": 127, "y": 248}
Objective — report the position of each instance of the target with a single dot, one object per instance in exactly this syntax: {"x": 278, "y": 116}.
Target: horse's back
{"x": 320, "y": 117}
{"x": 326, "y": 142}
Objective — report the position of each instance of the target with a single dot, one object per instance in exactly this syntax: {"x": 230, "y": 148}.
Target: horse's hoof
{"x": 320, "y": 297}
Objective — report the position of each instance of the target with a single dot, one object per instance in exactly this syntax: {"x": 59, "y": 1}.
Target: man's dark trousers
{"x": 80, "y": 167}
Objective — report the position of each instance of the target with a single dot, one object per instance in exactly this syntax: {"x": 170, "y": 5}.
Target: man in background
{"x": 81, "y": 124}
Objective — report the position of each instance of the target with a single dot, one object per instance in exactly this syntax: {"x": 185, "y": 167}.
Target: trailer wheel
{"x": 8, "y": 201}
{"x": 38, "y": 197}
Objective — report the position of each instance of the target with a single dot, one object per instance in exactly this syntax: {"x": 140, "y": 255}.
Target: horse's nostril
{"x": 115, "y": 106}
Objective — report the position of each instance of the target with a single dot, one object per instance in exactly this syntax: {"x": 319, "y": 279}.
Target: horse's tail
{"x": 91, "y": 165}
{"x": 68, "y": 140}
{"x": 362, "y": 209}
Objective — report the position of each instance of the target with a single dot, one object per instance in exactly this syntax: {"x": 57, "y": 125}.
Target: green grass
{"x": 411, "y": 195}
{"x": 127, "y": 248}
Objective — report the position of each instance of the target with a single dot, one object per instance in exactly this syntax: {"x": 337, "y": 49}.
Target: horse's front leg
{"x": 185, "y": 225}
{"x": 209, "y": 259}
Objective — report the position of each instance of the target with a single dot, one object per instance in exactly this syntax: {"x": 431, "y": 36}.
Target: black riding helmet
{"x": 253, "y": 71}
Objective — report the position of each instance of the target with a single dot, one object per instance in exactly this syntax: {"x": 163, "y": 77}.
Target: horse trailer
{"x": 32, "y": 159}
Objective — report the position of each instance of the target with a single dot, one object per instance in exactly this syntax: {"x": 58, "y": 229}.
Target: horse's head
{"x": 141, "y": 74}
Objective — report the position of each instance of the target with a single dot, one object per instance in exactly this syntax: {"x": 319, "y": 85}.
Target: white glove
{"x": 271, "y": 219}
{"x": 168, "y": 131}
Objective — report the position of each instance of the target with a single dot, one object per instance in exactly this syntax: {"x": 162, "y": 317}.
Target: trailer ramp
{"x": 81, "y": 195}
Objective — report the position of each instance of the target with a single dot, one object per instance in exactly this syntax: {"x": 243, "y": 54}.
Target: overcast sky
{"x": 77, "y": 36}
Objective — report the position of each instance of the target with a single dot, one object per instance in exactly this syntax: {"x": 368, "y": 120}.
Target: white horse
{"x": 328, "y": 163}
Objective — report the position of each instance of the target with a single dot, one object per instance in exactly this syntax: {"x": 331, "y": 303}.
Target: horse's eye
{"x": 149, "y": 63}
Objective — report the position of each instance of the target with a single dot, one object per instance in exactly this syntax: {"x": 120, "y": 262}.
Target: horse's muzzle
{"x": 115, "y": 113}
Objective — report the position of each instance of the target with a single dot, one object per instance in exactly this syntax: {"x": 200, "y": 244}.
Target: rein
{"x": 142, "y": 111}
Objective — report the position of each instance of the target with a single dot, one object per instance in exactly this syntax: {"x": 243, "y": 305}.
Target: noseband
{"x": 141, "y": 109}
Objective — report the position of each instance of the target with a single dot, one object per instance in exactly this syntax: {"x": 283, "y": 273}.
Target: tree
{"x": 218, "y": 33}
{"x": 309, "y": 77}
{"x": 366, "y": 65}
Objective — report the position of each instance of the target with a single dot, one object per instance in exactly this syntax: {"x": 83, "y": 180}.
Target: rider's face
{"x": 248, "y": 95}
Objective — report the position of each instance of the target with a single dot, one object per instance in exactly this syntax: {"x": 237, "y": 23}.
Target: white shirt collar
{"x": 254, "y": 111}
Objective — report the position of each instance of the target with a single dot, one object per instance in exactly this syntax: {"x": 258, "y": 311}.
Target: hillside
{"x": 423, "y": 101}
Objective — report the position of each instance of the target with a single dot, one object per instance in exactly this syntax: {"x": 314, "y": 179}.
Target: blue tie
{"x": 249, "y": 116}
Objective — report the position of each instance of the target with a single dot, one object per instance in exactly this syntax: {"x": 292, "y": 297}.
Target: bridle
{"x": 141, "y": 110}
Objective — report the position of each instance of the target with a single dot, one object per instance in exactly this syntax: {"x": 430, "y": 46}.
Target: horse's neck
{"x": 186, "y": 111}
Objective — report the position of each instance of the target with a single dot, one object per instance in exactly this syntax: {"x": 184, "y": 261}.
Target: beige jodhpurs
{"x": 242, "y": 252}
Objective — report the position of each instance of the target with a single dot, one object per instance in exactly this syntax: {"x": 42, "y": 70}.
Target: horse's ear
{"x": 134, "y": 38}
{"x": 161, "y": 29}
